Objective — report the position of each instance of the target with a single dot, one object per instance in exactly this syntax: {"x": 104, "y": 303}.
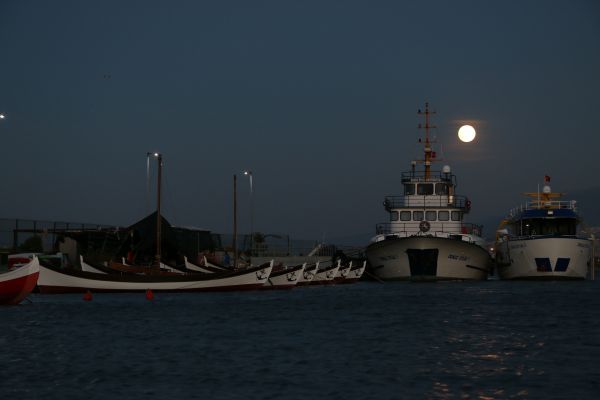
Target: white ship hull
{"x": 428, "y": 258}
{"x": 543, "y": 258}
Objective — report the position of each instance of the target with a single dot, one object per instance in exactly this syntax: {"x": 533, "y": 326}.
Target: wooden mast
{"x": 158, "y": 216}
{"x": 235, "y": 250}
{"x": 428, "y": 151}
{"x": 158, "y": 256}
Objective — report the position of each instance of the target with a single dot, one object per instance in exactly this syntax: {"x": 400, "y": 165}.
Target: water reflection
{"x": 484, "y": 366}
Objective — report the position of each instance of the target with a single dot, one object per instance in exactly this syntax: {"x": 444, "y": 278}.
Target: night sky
{"x": 317, "y": 98}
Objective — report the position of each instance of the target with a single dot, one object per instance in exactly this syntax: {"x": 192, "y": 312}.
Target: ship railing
{"x": 436, "y": 175}
{"x": 446, "y": 235}
{"x": 389, "y": 228}
{"x": 426, "y": 201}
{"x": 549, "y": 235}
{"x": 541, "y": 204}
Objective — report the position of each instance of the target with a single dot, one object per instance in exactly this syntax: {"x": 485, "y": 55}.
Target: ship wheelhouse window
{"x": 425, "y": 189}
{"x": 394, "y": 216}
{"x": 550, "y": 226}
{"x": 567, "y": 226}
{"x": 441, "y": 188}
{"x": 443, "y": 215}
{"x": 456, "y": 216}
{"x": 430, "y": 216}
{"x": 417, "y": 215}
{"x": 409, "y": 188}
{"x": 405, "y": 215}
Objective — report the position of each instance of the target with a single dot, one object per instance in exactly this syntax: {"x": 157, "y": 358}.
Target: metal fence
{"x": 22, "y": 234}
{"x": 276, "y": 245}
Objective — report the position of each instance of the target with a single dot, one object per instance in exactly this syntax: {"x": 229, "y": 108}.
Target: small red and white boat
{"x": 17, "y": 283}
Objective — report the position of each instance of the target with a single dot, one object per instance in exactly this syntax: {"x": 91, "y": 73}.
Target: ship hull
{"x": 53, "y": 280}
{"x": 17, "y": 284}
{"x": 355, "y": 273}
{"x": 308, "y": 275}
{"x": 427, "y": 258}
{"x": 555, "y": 258}
{"x": 285, "y": 279}
{"x": 325, "y": 276}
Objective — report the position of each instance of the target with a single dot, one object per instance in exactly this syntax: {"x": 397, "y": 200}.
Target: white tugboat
{"x": 539, "y": 240}
{"x": 426, "y": 238}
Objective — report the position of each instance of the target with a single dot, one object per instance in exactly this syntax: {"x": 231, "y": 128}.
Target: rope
{"x": 374, "y": 277}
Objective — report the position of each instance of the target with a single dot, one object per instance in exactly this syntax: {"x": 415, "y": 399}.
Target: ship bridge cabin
{"x": 428, "y": 206}
{"x": 544, "y": 216}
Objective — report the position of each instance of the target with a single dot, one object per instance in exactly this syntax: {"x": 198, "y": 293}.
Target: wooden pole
{"x": 235, "y": 249}
{"x": 158, "y": 217}
{"x": 593, "y": 263}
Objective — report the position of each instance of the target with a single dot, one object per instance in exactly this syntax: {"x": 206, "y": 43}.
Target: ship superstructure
{"x": 426, "y": 237}
{"x": 540, "y": 239}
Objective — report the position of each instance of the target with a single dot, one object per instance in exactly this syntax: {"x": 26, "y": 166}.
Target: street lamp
{"x": 249, "y": 175}
{"x": 159, "y": 158}
{"x": 2, "y": 116}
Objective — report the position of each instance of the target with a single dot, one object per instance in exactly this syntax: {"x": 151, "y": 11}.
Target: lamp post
{"x": 249, "y": 175}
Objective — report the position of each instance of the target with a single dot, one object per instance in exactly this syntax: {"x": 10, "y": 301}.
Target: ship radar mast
{"x": 546, "y": 198}
{"x": 429, "y": 153}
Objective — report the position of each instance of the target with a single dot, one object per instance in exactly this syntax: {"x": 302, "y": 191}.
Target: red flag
{"x": 546, "y": 179}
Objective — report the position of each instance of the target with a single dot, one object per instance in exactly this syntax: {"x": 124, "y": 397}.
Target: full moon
{"x": 466, "y": 133}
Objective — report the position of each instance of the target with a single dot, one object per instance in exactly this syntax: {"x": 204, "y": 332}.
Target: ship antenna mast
{"x": 427, "y": 148}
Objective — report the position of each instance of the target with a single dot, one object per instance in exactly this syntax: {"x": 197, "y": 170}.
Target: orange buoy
{"x": 149, "y": 294}
{"x": 87, "y": 296}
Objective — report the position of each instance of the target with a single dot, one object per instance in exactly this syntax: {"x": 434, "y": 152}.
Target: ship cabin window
{"x": 425, "y": 189}
{"x": 394, "y": 216}
{"x": 542, "y": 226}
{"x": 404, "y": 215}
{"x": 430, "y": 215}
{"x": 409, "y": 189}
{"x": 441, "y": 188}
{"x": 443, "y": 215}
{"x": 456, "y": 216}
{"x": 417, "y": 215}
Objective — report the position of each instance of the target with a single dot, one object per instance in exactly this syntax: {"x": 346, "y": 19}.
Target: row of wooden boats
{"x": 16, "y": 284}
{"x": 19, "y": 281}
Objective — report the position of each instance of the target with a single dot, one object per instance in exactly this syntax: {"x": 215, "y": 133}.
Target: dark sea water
{"x": 482, "y": 340}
